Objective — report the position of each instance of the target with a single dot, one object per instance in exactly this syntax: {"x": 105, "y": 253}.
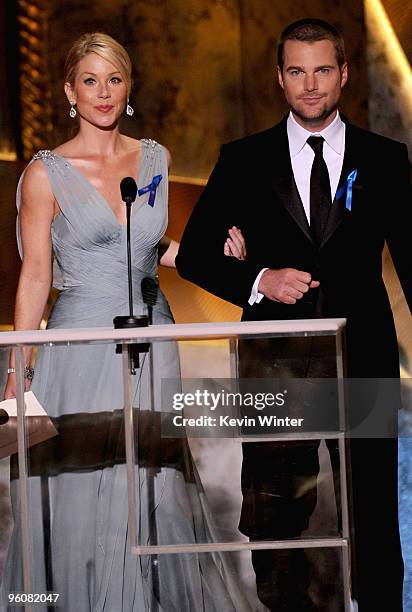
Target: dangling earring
{"x": 129, "y": 109}
{"x": 73, "y": 111}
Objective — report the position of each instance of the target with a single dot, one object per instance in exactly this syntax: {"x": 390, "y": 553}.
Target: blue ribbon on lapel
{"x": 347, "y": 186}
{"x": 152, "y": 189}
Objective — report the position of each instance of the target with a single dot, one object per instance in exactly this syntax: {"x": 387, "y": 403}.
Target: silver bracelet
{"x": 28, "y": 372}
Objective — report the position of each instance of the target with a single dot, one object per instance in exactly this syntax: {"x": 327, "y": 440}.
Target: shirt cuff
{"x": 255, "y": 296}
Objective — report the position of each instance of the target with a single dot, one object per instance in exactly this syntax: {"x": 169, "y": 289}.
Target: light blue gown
{"x": 92, "y": 567}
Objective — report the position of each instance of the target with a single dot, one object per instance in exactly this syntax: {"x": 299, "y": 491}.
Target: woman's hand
{"x": 235, "y": 245}
{"x": 10, "y": 390}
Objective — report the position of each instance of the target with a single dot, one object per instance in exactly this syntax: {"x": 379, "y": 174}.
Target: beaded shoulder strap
{"x": 150, "y": 142}
{"x": 151, "y": 150}
{"x": 46, "y": 155}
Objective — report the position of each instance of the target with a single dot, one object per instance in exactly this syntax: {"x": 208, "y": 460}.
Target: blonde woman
{"x": 71, "y": 214}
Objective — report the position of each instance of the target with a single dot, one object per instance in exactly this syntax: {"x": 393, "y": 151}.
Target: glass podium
{"x": 219, "y": 458}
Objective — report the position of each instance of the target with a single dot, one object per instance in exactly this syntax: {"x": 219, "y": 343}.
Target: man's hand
{"x": 286, "y": 285}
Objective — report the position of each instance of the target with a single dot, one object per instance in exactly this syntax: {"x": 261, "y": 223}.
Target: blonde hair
{"x": 106, "y": 47}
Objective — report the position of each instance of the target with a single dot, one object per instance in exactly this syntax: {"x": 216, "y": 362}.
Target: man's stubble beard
{"x": 318, "y": 119}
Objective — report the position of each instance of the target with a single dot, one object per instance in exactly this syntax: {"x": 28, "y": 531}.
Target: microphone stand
{"x": 150, "y": 287}
{"x": 128, "y": 189}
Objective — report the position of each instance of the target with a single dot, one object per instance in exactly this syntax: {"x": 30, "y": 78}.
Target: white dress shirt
{"x": 301, "y": 157}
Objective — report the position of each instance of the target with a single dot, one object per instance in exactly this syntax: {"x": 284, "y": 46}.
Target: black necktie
{"x": 320, "y": 197}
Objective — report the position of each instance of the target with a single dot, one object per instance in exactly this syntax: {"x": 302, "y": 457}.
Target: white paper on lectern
{"x": 33, "y": 406}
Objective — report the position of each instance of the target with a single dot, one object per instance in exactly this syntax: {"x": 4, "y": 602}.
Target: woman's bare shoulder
{"x": 131, "y": 144}
{"x": 35, "y": 184}
{"x": 68, "y": 149}
{"x": 35, "y": 172}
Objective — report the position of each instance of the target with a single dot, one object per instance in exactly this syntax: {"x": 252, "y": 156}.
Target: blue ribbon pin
{"x": 151, "y": 189}
{"x": 347, "y": 186}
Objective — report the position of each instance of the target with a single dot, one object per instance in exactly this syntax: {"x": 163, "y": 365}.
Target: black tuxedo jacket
{"x": 252, "y": 186}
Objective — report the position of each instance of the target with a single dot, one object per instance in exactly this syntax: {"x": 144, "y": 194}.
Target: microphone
{"x": 128, "y": 189}
{"x": 149, "y": 287}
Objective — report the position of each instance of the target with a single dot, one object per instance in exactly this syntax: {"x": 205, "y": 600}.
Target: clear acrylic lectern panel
{"x": 226, "y": 438}
{"x": 68, "y": 479}
{"x": 133, "y": 459}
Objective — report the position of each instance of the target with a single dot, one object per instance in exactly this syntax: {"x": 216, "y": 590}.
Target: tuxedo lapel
{"x": 288, "y": 194}
{"x": 284, "y": 184}
{"x": 283, "y": 181}
{"x": 337, "y": 211}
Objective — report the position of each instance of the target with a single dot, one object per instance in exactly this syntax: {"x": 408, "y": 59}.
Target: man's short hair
{"x": 312, "y": 30}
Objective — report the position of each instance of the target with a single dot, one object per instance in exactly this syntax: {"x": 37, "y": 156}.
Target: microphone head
{"x": 128, "y": 189}
{"x": 150, "y": 288}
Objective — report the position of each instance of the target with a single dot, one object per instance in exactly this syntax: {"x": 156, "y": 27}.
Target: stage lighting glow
{"x": 382, "y": 30}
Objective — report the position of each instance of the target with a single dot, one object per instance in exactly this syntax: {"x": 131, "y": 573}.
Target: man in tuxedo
{"x": 316, "y": 198}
